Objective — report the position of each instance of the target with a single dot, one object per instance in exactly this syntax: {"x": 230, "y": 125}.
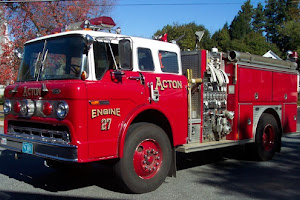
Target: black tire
{"x": 149, "y": 142}
{"x": 267, "y": 139}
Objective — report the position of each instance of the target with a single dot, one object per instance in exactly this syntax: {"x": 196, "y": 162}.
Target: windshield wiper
{"x": 40, "y": 63}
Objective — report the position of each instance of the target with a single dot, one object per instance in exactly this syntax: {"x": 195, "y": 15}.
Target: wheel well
{"x": 274, "y": 113}
{"x": 157, "y": 118}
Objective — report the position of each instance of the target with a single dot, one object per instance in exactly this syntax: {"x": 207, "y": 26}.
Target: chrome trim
{"x": 264, "y": 67}
{"x": 259, "y": 110}
{"x": 194, "y": 147}
{"x": 66, "y": 108}
{"x": 62, "y": 152}
{"x": 52, "y": 136}
{"x": 7, "y": 104}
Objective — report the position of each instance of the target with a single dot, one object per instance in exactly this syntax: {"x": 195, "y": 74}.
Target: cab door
{"x": 111, "y": 99}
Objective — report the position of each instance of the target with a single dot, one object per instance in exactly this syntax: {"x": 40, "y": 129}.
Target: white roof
{"x": 95, "y": 34}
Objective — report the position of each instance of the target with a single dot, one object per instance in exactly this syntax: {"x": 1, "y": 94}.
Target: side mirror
{"x": 88, "y": 40}
{"x": 18, "y": 52}
{"x": 125, "y": 54}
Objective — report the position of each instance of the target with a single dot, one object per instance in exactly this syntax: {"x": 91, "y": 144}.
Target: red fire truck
{"x": 88, "y": 95}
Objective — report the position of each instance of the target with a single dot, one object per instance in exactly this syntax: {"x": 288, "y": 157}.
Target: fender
{"x": 128, "y": 120}
{"x": 276, "y": 110}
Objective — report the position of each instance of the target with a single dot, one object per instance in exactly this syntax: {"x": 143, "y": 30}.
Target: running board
{"x": 193, "y": 147}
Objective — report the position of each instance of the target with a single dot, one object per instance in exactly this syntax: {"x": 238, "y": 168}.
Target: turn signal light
{"x": 17, "y": 107}
{"x": 47, "y": 108}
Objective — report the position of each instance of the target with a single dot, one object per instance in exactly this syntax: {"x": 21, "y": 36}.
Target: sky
{"x": 142, "y": 18}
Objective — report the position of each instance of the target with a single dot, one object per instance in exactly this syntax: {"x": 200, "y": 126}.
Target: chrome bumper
{"x": 62, "y": 152}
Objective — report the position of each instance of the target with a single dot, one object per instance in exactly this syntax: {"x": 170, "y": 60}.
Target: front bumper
{"x": 62, "y": 152}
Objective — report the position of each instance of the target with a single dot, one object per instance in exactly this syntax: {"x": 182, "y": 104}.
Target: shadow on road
{"x": 31, "y": 170}
{"x": 276, "y": 179}
{"x": 8, "y": 195}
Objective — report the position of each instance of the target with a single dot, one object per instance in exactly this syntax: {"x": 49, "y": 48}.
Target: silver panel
{"x": 195, "y": 134}
{"x": 264, "y": 67}
{"x": 259, "y": 110}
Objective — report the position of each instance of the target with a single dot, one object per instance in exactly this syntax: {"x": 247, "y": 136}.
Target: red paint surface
{"x": 289, "y": 122}
{"x": 131, "y": 97}
{"x": 254, "y": 81}
{"x": 128, "y": 95}
{"x": 245, "y": 114}
{"x": 284, "y": 85}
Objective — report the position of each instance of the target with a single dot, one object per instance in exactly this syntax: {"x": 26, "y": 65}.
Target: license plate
{"x": 4, "y": 141}
{"x": 27, "y": 148}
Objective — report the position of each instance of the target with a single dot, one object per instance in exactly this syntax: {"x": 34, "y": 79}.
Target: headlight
{"x": 7, "y": 106}
{"x": 27, "y": 108}
{"x": 62, "y": 110}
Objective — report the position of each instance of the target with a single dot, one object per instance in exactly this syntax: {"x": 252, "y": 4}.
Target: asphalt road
{"x": 205, "y": 175}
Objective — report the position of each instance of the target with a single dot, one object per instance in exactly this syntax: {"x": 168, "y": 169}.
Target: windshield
{"x": 54, "y": 59}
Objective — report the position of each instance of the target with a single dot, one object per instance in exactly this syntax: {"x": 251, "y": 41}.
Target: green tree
{"x": 221, "y": 39}
{"x": 240, "y": 25}
{"x": 188, "y": 42}
{"x": 259, "y": 19}
{"x": 291, "y": 30}
{"x": 253, "y": 43}
{"x": 278, "y": 14}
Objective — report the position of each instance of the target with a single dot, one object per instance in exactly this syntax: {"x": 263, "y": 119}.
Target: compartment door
{"x": 289, "y": 118}
{"x": 245, "y": 121}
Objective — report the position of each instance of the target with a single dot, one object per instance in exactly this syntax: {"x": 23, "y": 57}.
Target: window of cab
{"x": 145, "y": 59}
{"x": 168, "y": 61}
{"x": 103, "y": 57}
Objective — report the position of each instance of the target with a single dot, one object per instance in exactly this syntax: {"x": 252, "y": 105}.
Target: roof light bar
{"x": 96, "y": 24}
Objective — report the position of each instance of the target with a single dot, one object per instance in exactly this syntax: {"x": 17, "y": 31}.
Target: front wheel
{"x": 267, "y": 137}
{"x": 147, "y": 158}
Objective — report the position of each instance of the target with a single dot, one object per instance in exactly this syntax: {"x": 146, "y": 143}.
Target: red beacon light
{"x": 105, "y": 22}
{"x": 96, "y": 24}
{"x": 56, "y": 30}
{"x": 292, "y": 56}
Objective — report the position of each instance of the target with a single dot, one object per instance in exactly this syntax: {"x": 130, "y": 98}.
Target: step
{"x": 193, "y": 147}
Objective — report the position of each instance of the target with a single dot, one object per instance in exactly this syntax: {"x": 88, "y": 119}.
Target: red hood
{"x": 58, "y": 89}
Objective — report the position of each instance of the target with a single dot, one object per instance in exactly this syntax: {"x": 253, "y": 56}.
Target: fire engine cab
{"x": 90, "y": 95}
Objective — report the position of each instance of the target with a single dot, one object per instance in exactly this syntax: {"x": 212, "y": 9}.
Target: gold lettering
{"x": 25, "y": 92}
{"x": 105, "y": 112}
{"x": 32, "y": 92}
{"x": 174, "y": 84}
{"x": 165, "y": 84}
{"x": 94, "y": 113}
{"x": 179, "y": 84}
{"x": 158, "y": 84}
{"x": 170, "y": 83}
{"x": 113, "y": 111}
{"x": 109, "y": 111}
{"x": 38, "y": 92}
{"x": 118, "y": 112}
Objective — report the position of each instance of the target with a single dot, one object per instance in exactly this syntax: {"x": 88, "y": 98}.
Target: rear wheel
{"x": 267, "y": 139}
{"x": 147, "y": 158}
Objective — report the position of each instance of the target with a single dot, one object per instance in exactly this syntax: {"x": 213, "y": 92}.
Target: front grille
{"x": 38, "y": 131}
